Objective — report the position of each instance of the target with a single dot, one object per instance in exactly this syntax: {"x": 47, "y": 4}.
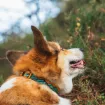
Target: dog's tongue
{"x": 79, "y": 64}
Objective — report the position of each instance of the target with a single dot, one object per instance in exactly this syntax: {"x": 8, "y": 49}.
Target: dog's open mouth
{"x": 77, "y": 64}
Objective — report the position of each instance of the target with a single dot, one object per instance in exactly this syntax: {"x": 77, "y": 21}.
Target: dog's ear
{"x": 39, "y": 41}
{"x": 13, "y": 56}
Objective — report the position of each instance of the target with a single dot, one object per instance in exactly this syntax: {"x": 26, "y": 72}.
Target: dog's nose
{"x": 82, "y": 49}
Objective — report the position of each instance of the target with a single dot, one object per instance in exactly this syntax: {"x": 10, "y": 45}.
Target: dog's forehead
{"x": 74, "y": 53}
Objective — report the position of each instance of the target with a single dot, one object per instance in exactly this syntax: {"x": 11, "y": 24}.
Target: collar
{"x": 41, "y": 81}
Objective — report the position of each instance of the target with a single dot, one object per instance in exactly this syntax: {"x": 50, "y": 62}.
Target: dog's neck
{"x": 65, "y": 84}
{"x": 40, "y": 80}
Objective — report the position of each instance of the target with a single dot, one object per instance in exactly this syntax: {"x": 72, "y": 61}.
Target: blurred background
{"x": 72, "y": 23}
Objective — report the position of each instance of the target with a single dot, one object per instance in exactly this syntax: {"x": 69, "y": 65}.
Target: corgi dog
{"x": 41, "y": 74}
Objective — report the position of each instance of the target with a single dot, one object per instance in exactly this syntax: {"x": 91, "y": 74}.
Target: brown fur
{"x": 41, "y": 61}
{"x": 28, "y": 92}
{"x": 38, "y": 64}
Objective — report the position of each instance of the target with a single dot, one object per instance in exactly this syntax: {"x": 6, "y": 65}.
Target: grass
{"x": 88, "y": 94}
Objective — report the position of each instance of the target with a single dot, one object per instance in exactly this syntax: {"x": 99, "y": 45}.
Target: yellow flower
{"x": 78, "y": 24}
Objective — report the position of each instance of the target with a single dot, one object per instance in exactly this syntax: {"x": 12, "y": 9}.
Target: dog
{"x": 41, "y": 74}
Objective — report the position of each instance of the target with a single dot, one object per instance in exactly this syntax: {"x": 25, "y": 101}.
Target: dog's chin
{"x": 77, "y": 71}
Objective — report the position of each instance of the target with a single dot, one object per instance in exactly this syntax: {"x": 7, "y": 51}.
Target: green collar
{"x": 41, "y": 81}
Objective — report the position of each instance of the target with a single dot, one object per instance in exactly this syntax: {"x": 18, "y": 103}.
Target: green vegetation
{"x": 81, "y": 24}
{"x": 1, "y": 79}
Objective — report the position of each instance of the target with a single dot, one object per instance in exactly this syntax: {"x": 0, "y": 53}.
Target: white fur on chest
{"x": 64, "y": 101}
{"x": 7, "y": 85}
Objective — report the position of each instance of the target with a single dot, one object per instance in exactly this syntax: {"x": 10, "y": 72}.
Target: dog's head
{"x": 49, "y": 61}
